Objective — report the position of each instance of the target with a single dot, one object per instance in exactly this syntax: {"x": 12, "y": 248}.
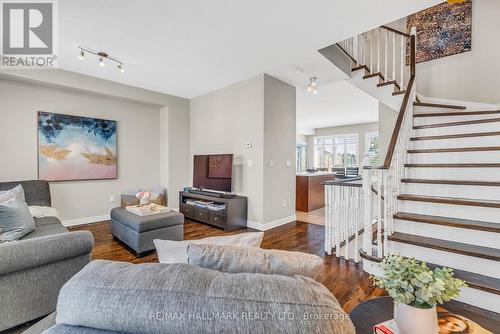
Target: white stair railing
{"x": 380, "y": 50}
{"x": 344, "y": 218}
{"x": 385, "y": 180}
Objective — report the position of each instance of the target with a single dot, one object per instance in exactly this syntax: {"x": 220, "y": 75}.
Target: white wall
{"x": 386, "y": 120}
{"x": 279, "y": 148}
{"x": 138, "y": 140}
{"x": 222, "y": 122}
{"x": 175, "y": 153}
{"x": 470, "y": 76}
{"x": 153, "y": 146}
{"x": 260, "y": 110}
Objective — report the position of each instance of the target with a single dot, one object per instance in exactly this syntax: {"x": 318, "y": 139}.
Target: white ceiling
{"x": 188, "y": 48}
{"x": 337, "y": 103}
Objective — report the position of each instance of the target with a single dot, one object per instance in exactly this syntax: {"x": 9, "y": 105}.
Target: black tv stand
{"x": 233, "y": 217}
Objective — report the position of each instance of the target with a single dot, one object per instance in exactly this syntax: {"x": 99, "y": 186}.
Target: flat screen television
{"x": 213, "y": 172}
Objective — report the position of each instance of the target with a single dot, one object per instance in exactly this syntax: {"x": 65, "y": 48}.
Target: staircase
{"x": 437, "y": 195}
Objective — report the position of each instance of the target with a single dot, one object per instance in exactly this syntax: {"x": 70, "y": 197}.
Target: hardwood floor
{"x": 346, "y": 280}
{"x": 314, "y": 217}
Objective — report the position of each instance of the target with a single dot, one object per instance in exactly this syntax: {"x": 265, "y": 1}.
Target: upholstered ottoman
{"x": 138, "y": 232}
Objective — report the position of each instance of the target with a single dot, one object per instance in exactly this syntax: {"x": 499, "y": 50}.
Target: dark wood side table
{"x": 377, "y": 310}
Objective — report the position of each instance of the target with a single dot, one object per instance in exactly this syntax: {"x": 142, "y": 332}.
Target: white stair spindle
{"x": 371, "y": 51}
{"x": 328, "y": 248}
{"x": 403, "y": 61}
{"x": 367, "y": 213}
{"x": 337, "y": 219}
{"x": 348, "y": 211}
{"x": 394, "y": 56}
{"x": 386, "y": 207}
{"x": 379, "y": 42}
{"x": 379, "y": 213}
{"x": 386, "y": 71}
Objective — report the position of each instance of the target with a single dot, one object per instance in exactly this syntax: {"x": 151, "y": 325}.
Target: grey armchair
{"x": 34, "y": 268}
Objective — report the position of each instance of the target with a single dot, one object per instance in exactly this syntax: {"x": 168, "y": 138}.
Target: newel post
{"x": 413, "y": 51}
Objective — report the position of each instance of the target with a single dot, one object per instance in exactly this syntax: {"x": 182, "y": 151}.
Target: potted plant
{"x": 416, "y": 290}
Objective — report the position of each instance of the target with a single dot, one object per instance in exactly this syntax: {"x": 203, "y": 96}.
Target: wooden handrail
{"x": 396, "y": 31}
{"x": 397, "y": 127}
{"x": 404, "y": 106}
{"x": 347, "y": 53}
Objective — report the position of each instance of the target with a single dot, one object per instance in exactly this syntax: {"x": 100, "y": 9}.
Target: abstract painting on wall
{"x": 76, "y": 148}
{"x": 442, "y": 30}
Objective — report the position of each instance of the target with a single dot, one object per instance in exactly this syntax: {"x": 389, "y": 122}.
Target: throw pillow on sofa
{"x": 16, "y": 192}
{"x": 176, "y": 251}
{"x": 236, "y": 259}
{"x": 15, "y": 220}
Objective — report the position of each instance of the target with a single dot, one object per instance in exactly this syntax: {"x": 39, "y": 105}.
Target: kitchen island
{"x": 310, "y": 190}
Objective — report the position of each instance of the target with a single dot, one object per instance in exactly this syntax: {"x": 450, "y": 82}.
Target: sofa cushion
{"x": 45, "y": 230}
{"x": 15, "y": 220}
{"x": 170, "y": 251}
{"x": 146, "y": 223}
{"x": 180, "y": 298}
{"x": 36, "y": 192}
{"x": 47, "y": 221}
{"x": 235, "y": 259}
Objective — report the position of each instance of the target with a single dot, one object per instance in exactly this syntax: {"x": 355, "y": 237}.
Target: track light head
{"x": 102, "y": 56}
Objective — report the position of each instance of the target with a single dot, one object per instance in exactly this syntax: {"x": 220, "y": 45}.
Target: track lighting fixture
{"x": 103, "y": 57}
{"x": 313, "y": 85}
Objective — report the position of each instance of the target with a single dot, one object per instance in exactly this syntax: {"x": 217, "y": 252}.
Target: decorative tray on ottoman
{"x": 147, "y": 210}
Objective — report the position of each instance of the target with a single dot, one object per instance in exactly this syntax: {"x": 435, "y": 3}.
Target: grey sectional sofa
{"x": 109, "y": 297}
{"x": 34, "y": 268}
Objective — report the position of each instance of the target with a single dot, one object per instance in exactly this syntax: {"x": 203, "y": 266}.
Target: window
{"x": 373, "y": 148}
{"x": 336, "y": 151}
{"x": 301, "y": 157}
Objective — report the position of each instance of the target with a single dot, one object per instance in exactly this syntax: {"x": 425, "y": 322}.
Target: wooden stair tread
{"x": 455, "y": 136}
{"x": 442, "y": 125}
{"x": 386, "y": 83}
{"x": 450, "y": 200}
{"x": 437, "y": 105}
{"x": 455, "y": 150}
{"x": 357, "y": 68}
{"x": 399, "y": 92}
{"x": 453, "y": 182}
{"x": 373, "y": 75}
{"x": 457, "y": 113}
{"x": 447, "y": 221}
{"x": 473, "y": 280}
{"x": 455, "y": 165}
{"x": 447, "y": 246}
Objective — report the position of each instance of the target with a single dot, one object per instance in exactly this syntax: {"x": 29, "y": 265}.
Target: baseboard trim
{"x": 86, "y": 220}
{"x": 271, "y": 224}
